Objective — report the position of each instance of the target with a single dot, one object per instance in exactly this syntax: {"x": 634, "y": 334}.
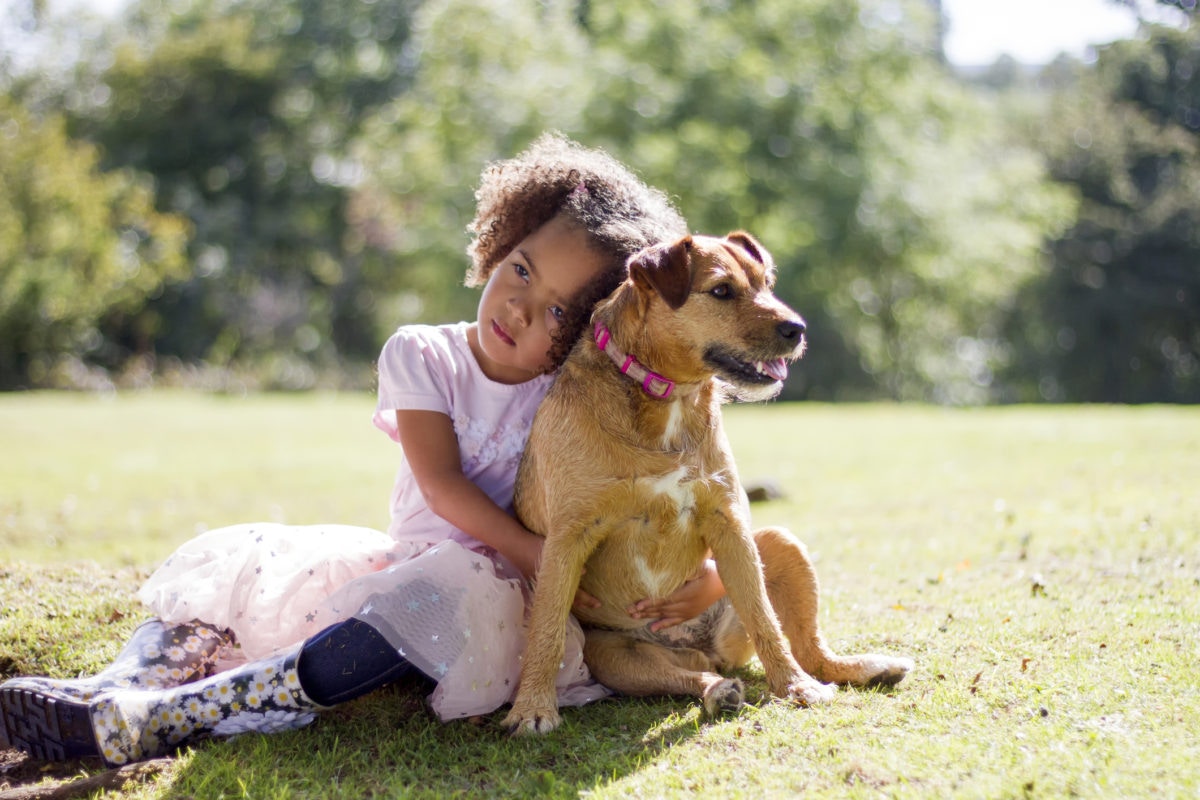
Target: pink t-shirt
{"x": 432, "y": 368}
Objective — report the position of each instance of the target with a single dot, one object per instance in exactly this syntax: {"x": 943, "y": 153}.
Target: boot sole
{"x": 47, "y": 728}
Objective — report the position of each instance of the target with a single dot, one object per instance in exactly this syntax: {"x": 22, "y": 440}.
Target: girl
{"x": 332, "y": 612}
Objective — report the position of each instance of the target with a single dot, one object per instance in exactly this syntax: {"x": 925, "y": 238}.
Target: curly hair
{"x": 591, "y": 190}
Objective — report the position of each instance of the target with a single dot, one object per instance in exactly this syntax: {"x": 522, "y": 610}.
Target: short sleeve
{"x": 416, "y": 368}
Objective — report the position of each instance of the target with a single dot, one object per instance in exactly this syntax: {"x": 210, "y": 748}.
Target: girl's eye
{"x": 521, "y": 271}
{"x": 722, "y": 291}
{"x": 557, "y": 313}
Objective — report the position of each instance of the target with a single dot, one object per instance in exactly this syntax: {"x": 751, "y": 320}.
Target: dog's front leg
{"x": 535, "y": 709}
{"x": 741, "y": 571}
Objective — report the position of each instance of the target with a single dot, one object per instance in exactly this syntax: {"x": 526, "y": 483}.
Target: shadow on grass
{"x": 389, "y": 745}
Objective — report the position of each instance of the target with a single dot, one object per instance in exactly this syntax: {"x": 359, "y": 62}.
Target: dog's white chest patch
{"x": 678, "y": 490}
{"x": 676, "y": 487}
{"x": 654, "y": 582}
{"x": 673, "y": 426}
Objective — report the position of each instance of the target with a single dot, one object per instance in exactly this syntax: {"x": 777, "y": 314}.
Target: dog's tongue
{"x": 777, "y": 369}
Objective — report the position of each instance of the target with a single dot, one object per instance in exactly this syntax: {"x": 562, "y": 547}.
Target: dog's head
{"x": 711, "y": 300}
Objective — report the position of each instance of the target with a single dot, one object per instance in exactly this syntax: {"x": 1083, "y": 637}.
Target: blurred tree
{"x": 491, "y": 76}
{"x": 79, "y": 249}
{"x": 826, "y": 128}
{"x": 243, "y": 111}
{"x": 1117, "y": 319}
{"x": 326, "y": 154}
{"x": 902, "y": 222}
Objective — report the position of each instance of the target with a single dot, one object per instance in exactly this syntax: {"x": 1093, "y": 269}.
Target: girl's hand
{"x": 686, "y": 602}
{"x": 583, "y": 600}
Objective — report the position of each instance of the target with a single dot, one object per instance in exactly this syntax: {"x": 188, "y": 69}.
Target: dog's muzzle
{"x": 760, "y": 370}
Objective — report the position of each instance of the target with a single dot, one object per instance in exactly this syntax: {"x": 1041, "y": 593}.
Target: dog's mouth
{"x": 744, "y": 371}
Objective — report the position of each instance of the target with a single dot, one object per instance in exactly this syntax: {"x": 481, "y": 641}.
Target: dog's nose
{"x": 791, "y": 330}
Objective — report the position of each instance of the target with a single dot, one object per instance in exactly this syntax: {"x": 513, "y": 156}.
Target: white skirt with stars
{"x": 457, "y": 614}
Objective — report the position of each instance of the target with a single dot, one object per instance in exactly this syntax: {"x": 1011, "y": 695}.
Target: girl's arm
{"x": 431, "y": 448}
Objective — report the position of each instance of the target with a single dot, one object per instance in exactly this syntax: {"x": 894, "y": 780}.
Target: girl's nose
{"x": 519, "y": 311}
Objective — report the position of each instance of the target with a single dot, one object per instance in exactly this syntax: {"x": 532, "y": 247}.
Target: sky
{"x": 1031, "y": 31}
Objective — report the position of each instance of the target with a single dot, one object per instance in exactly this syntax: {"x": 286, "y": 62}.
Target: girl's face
{"x": 525, "y": 298}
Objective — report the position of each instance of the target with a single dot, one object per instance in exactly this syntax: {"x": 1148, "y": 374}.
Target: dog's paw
{"x": 724, "y": 697}
{"x": 888, "y": 671}
{"x": 868, "y": 670}
{"x": 526, "y": 720}
{"x": 809, "y": 692}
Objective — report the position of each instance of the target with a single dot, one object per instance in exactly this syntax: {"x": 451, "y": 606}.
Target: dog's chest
{"x": 672, "y": 499}
{"x": 663, "y": 545}
{"x": 675, "y": 489}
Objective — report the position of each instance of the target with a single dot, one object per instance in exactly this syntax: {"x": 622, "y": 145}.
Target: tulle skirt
{"x": 457, "y": 614}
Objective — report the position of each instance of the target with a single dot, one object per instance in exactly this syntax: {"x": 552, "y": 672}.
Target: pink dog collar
{"x": 657, "y": 386}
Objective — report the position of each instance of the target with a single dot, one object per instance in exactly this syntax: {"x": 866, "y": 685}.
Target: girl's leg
{"x": 122, "y": 725}
{"x": 156, "y": 656}
{"x": 125, "y": 725}
{"x": 263, "y": 696}
{"x": 347, "y": 660}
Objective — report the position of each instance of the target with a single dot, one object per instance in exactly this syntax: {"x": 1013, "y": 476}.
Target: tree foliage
{"x": 79, "y": 248}
{"x": 244, "y": 112}
{"x": 825, "y": 128}
{"x": 1117, "y": 317}
{"x": 325, "y": 155}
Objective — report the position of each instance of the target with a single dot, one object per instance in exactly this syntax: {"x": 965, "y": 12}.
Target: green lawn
{"x": 1040, "y": 564}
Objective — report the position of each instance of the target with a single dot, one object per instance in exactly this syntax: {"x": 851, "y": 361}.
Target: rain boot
{"x": 157, "y": 656}
{"x": 124, "y": 725}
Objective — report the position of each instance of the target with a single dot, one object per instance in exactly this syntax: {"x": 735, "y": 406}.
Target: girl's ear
{"x": 665, "y": 269}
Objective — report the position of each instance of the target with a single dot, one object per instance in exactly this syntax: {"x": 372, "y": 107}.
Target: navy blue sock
{"x": 347, "y": 660}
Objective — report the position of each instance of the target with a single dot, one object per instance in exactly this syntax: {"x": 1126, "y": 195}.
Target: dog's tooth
{"x": 760, "y": 366}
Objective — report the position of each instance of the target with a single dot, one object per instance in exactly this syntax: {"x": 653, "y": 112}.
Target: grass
{"x": 1040, "y": 564}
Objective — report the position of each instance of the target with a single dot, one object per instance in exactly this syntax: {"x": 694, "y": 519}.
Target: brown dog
{"x": 630, "y": 473}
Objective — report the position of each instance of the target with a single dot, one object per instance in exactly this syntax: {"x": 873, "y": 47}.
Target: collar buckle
{"x": 652, "y": 378}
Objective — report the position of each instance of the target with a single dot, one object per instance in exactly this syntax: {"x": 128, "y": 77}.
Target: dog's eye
{"x": 722, "y": 291}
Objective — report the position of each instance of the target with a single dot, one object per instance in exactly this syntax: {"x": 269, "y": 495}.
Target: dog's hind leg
{"x": 793, "y": 590}
{"x": 644, "y": 669}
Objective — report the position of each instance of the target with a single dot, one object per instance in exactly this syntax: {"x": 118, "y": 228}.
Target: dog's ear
{"x": 665, "y": 269}
{"x": 750, "y": 245}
